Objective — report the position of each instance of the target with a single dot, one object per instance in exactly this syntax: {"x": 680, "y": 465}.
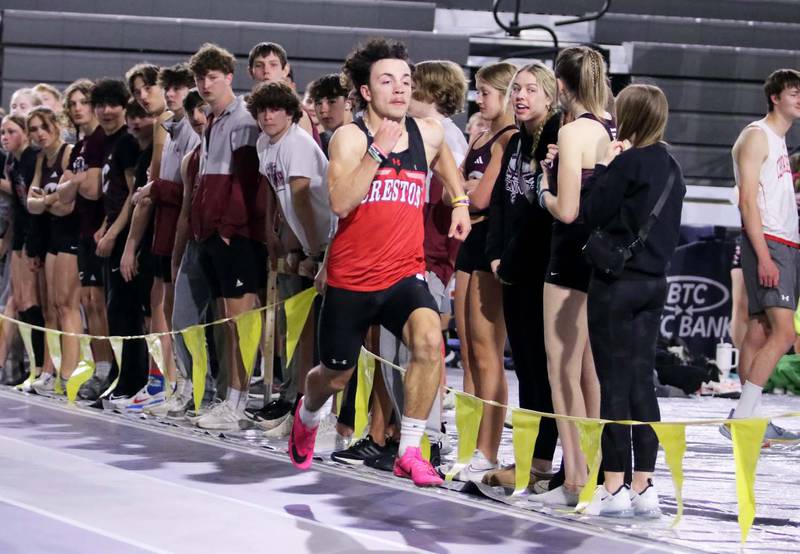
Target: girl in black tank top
{"x": 479, "y": 312}
{"x": 570, "y": 366}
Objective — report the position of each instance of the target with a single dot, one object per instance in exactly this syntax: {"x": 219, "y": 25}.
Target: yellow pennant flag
{"x": 672, "y": 437}
{"x": 25, "y": 333}
{"x": 154, "y": 348}
{"x": 469, "y": 411}
{"x": 83, "y": 372}
{"x": 195, "y": 339}
{"x": 747, "y": 435}
{"x": 54, "y": 349}
{"x": 248, "y": 325}
{"x": 425, "y": 447}
{"x": 589, "y": 433}
{"x": 366, "y": 376}
{"x": 297, "y": 309}
{"x": 797, "y": 320}
{"x": 116, "y": 347}
{"x": 526, "y": 429}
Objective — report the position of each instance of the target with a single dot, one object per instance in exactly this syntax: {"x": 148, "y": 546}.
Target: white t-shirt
{"x": 296, "y": 154}
{"x": 454, "y": 138}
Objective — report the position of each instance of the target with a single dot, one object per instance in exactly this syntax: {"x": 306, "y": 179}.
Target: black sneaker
{"x": 358, "y": 452}
{"x": 385, "y": 460}
{"x": 276, "y": 409}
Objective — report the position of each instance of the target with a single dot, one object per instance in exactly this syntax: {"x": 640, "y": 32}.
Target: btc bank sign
{"x": 698, "y": 306}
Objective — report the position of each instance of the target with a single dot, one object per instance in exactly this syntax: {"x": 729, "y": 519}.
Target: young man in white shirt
{"x": 770, "y": 243}
{"x": 295, "y": 168}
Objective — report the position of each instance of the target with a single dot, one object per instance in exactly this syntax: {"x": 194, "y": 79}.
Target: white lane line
{"x": 400, "y": 546}
{"x": 81, "y": 525}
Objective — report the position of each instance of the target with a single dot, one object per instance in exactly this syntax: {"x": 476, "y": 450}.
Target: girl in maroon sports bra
{"x": 479, "y": 312}
{"x": 583, "y": 93}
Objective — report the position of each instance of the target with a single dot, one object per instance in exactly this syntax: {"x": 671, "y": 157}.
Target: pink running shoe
{"x": 301, "y": 442}
{"x": 412, "y": 465}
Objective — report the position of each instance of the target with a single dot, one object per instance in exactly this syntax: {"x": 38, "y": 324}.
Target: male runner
{"x": 770, "y": 243}
{"x": 228, "y": 210}
{"x": 376, "y": 263}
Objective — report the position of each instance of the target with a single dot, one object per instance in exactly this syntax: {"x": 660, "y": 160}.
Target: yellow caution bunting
{"x": 366, "y": 376}
{"x": 589, "y": 433}
{"x": 297, "y": 309}
{"x": 526, "y": 429}
{"x": 673, "y": 440}
{"x": 195, "y": 339}
{"x": 248, "y": 327}
{"x": 83, "y": 372}
{"x": 54, "y": 349}
{"x": 747, "y": 435}
{"x": 469, "y": 411}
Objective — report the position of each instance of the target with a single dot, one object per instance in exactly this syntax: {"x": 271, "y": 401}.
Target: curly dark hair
{"x": 327, "y": 86}
{"x": 177, "y": 75}
{"x": 358, "y": 65}
{"x": 275, "y": 96}
{"x": 134, "y": 109}
{"x": 147, "y": 71}
{"x": 192, "y": 101}
{"x": 109, "y": 92}
{"x": 211, "y": 57}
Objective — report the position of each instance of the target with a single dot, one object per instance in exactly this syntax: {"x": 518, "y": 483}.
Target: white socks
{"x": 749, "y": 402}
{"x": 237, "y": 400}
{"x": 102, "y": 369}
{"x": 411, "y": 431}
{"x": 310, "y": 419}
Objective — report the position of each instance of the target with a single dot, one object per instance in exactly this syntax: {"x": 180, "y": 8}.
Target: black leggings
{"x": 624, "y": 318}
{"x": 523, "y": 311}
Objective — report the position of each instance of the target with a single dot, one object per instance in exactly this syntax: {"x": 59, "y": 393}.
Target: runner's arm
{"x": 444, "y": 167}
{"x": 351, "y": 169}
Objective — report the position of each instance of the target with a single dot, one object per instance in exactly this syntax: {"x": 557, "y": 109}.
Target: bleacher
{"x": 709, "y": 56}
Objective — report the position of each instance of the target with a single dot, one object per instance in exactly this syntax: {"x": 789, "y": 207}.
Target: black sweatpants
{"x": 126, "y": 317}
{"x": 524, "y": 316}
{"x": 624, "y": 319}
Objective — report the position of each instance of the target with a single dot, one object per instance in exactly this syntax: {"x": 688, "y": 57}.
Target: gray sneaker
{"x": 779, "y": 434}
{"x": 93, "y": 388}
{"x": 724, "y": 430}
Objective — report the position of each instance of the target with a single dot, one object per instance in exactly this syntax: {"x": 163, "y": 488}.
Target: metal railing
{"x": 514, "y": 28}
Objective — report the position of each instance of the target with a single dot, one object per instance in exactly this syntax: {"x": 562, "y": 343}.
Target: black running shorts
{"x": 347, "y": 316}
{"x": 90, "y": 265}
{"x": 231, "y": 268}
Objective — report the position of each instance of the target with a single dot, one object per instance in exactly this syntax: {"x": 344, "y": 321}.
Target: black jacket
{"x": 519, "y": 230}
{"x": 620, "y": 197}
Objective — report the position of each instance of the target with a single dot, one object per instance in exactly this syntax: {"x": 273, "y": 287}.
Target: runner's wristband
{"x": 376, "y": 153}
{"x": 542, "y": 203}
{"x": 460, "y": 201}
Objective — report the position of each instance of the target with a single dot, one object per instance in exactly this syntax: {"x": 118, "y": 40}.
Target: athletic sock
{"x": 102, "y": 370}
{"x": 237, "y": 400}
{"x": 411, "y": 431}
{"x": 310, "y": 419}
{"x": 749, "y": 401}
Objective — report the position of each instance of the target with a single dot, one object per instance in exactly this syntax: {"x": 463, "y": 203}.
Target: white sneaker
{"x": 449, "y": 400}
{"x": 610, "y": 505}
{"x": 445, "y": 444}
{"x": 282, "y": 430}
{"x": 145, "y": 398}
{"x": 45, "y": 384}
{"x": 559, "y": 496}
{"x": 478, "y": 467}
{"x": 175, "y": 406}
{"x": 645, "y": 503}
{"x": 221, "y": 418}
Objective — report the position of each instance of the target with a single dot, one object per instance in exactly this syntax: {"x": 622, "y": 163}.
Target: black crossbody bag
{"x": 609, "y": 258}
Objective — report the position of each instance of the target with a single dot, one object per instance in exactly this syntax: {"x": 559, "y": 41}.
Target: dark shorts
{"x": 90, "y": 265}
{"x": 232, "y": 270}
{"x": 63, "y": 244}
{"x": 736, "y": 261}
{"x": 472, "y": 253}
{"x": 162, "y": 267}
{"x": 786, "y": 294}
{"x": 347, "y": 315}
{"x": 568, "y": 268}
